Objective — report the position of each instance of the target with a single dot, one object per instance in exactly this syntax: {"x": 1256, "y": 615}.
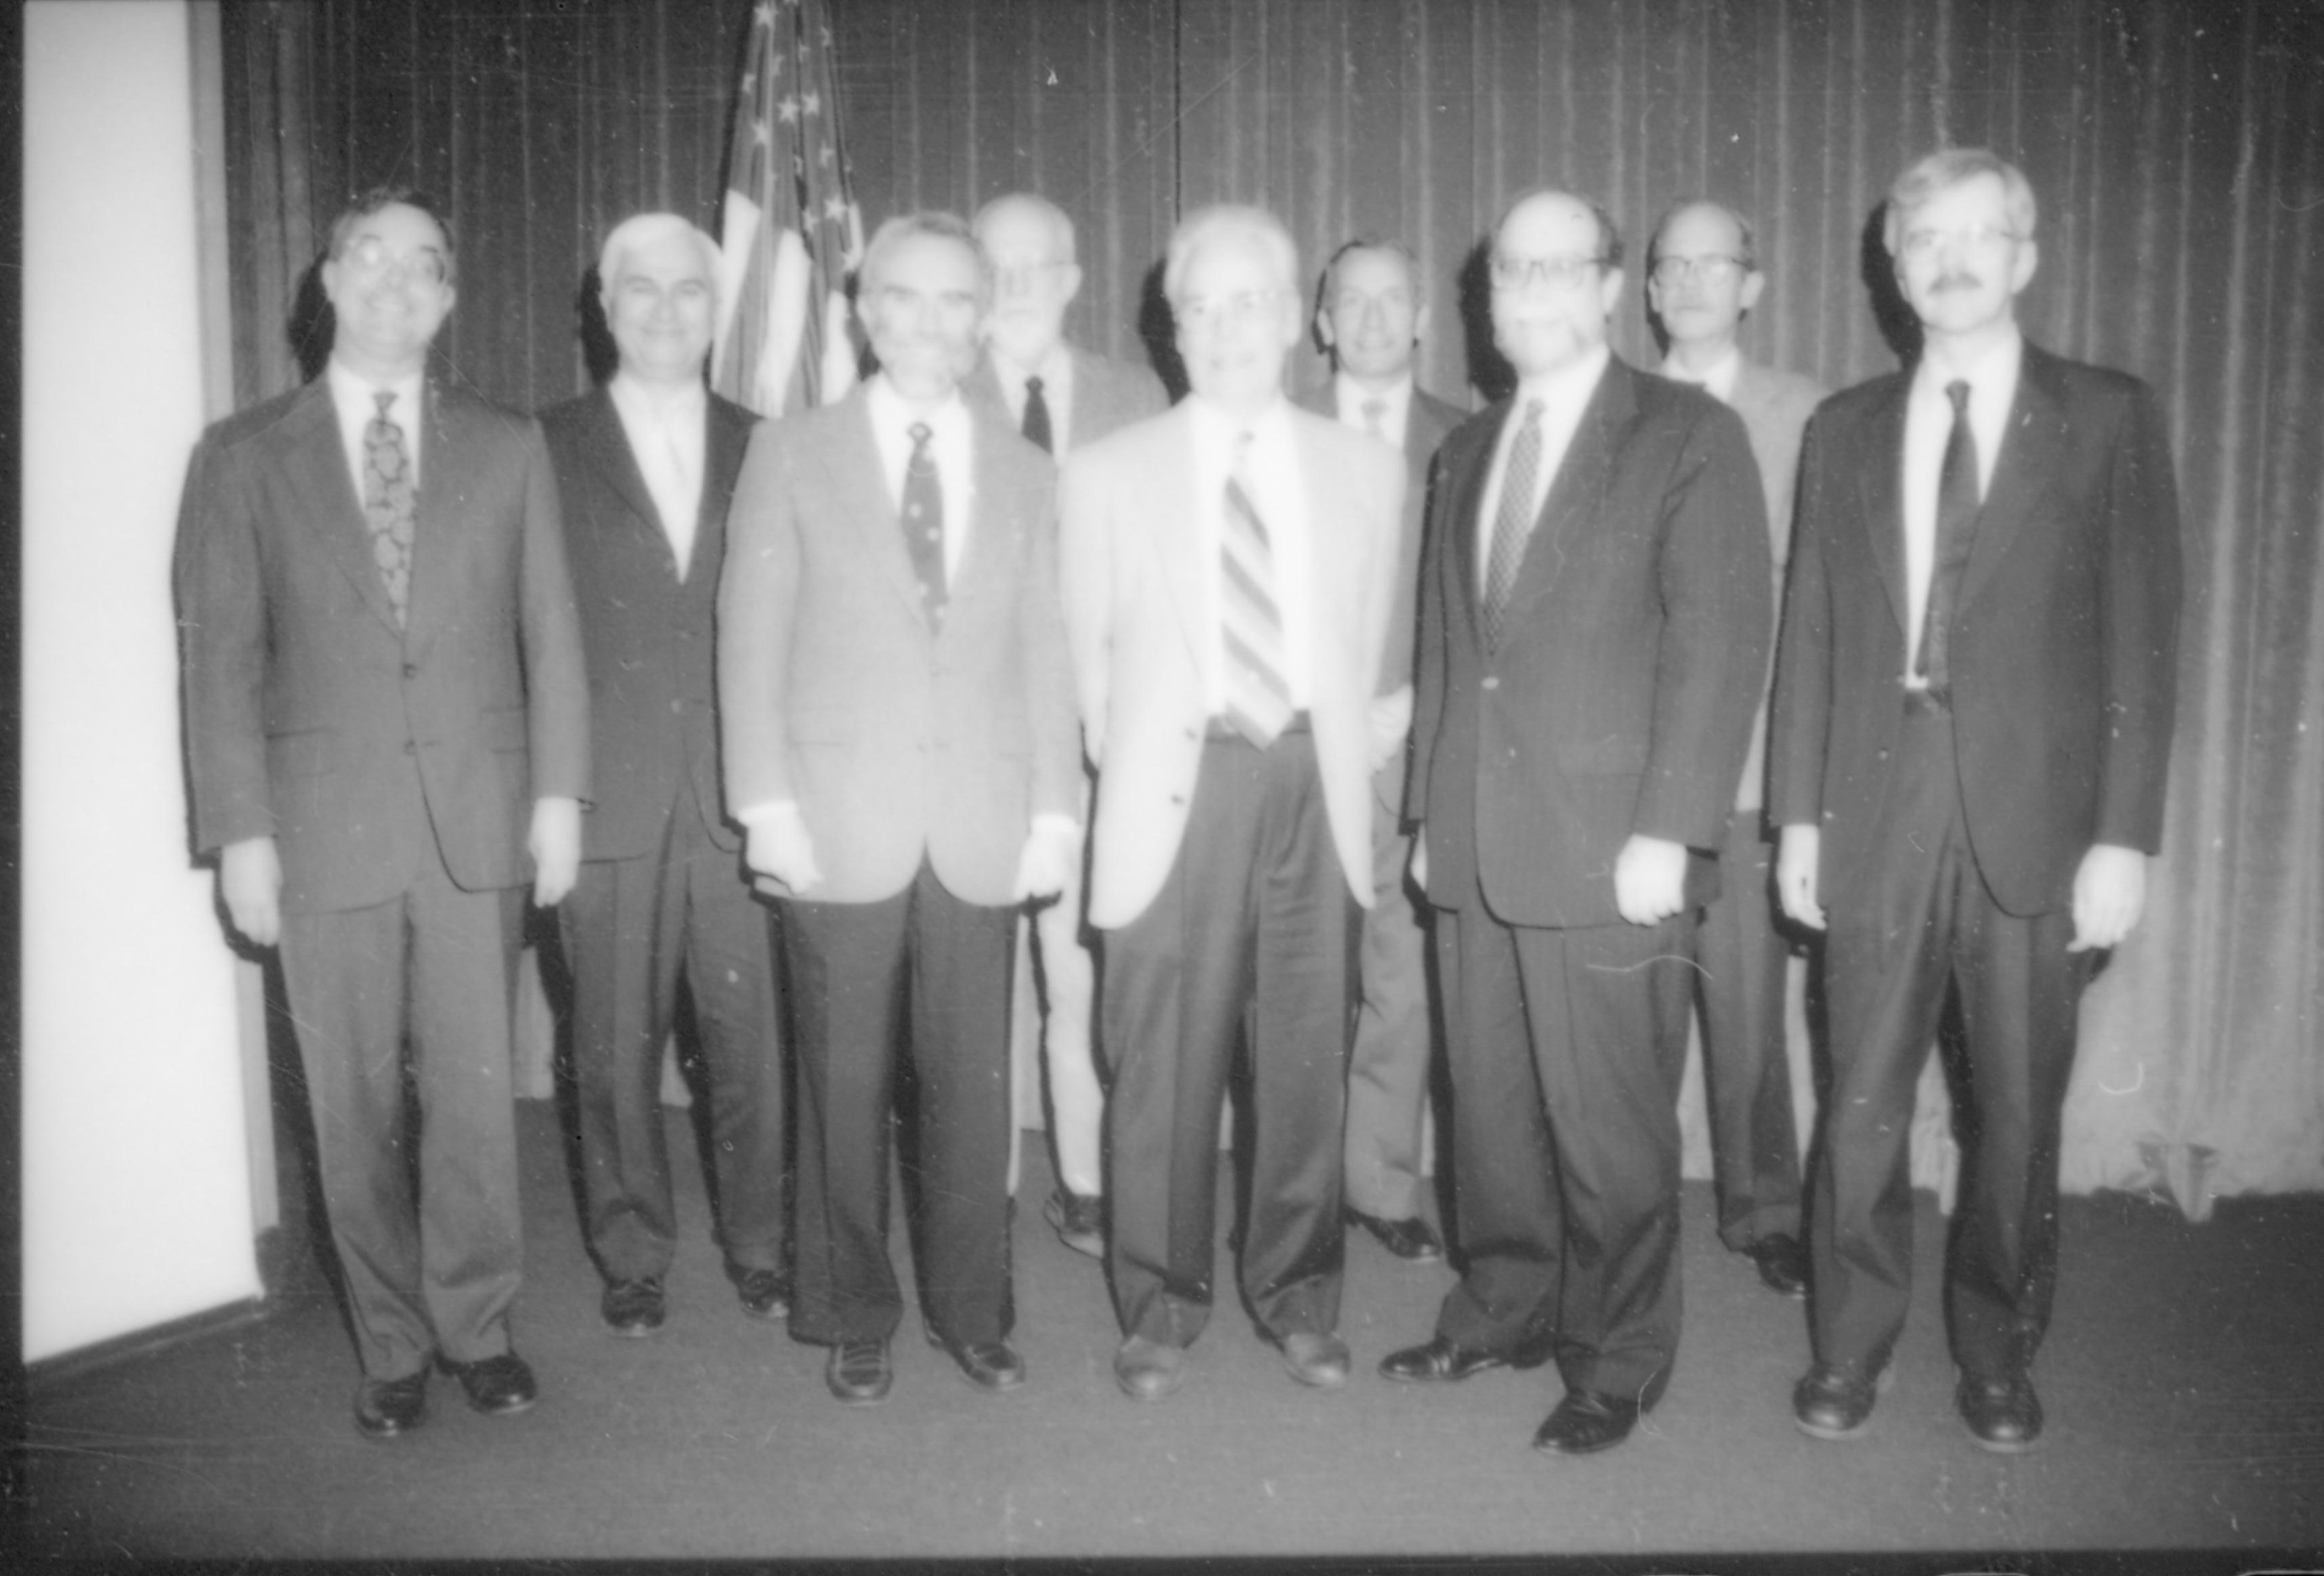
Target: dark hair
{"x": 385, "y": 197}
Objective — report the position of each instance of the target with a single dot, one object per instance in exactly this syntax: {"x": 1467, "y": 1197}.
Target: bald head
{"x": 1029, "y": 242}
{"x": 1556, "y": 273}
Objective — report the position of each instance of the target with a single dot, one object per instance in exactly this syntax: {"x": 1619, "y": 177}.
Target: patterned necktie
{"x": 1250, "y": 624}
{"x": 924, "y": 523}
{"x": 1513, "y": 521}
{"x": 389, "y": 503}
{"x": 1035, "y": 427}
{"x": 1957, "y": 509}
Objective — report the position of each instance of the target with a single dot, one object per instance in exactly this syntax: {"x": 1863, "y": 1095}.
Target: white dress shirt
{"x": 1719, "y": 383}
{"x": 949, "y": 443}
{"x": 1279, "y": 493}
{"x": 1563, "y": 394}
{"x": 1928, "y": 427}
{"x": 353, "y": 398}
{"x": 668, "y": 432}
{"x": 1350, "y": 398}
{"x": 1056, "y": 374}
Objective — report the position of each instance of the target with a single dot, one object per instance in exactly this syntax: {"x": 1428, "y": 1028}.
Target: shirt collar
{"x": 1719, "y": 381}
{"x": 1349, "y": 396}
{"x": 351, "y": 391}
{"x": 657, "y": 402}
{"x": 1054, "y": 368}
{"x": 1569, "y": 386}
{"x": 1213, "y": 425}
{"x": 1992, "y": 373}
{"x": 890, "y": 410}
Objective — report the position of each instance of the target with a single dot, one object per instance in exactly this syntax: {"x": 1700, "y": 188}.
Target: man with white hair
{"x": 645, "y": 466}
{"x": 1229, "y": 569}
{"x": 1060, "y": 397}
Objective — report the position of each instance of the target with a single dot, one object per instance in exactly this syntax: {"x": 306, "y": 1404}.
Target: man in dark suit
{"x": 1371, "y": 313}
{"x": 1228, "y": 570}
{"x": 645, "y": 468}
{"x": 1703, "y": 276}
{"x": 898, "y": 714}
{"x": 1594, "y": 624}
{"x": 1972, "y": 727}
{"x": 1060, "y": 397}
{"x": 388, "y": 725}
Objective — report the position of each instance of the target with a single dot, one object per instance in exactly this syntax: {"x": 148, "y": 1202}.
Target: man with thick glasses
{"x": 1971, "y": 737}
{"x": 1060, "y": 397}
{"x": 1228, "y": 571}
{"x": 387, "y": 722}
{"x": 1593, "y": 626}
{"x": 1371, "y": 314}
{"x": 1702, "y": 278}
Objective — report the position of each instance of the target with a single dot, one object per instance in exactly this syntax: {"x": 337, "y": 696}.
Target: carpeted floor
{"x": 2185, "y": 1384}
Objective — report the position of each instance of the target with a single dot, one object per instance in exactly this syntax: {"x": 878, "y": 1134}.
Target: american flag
{"x": 790, "y": 229}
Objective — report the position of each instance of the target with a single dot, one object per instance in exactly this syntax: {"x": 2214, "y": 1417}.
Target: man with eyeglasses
{"x": 1060, "y": 397}
{"x": 897, "y": 712}
{"x": 1972, "y": 726}
{"x": 645, "y": 469}
{"x": 1593, "y": 625}
{"x": 1228, "y": 570}
{"x": 1370, "y": 314}
{"x": 1702, "y": 278}
{"x": 387, "y": 721}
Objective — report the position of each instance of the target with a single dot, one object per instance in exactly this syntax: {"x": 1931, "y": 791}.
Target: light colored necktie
{"x": 1250, "y": 623}
{"x": 1513, "y": 521}
{"x": 1375, "y": 417}
{"x": 924, "y": 522}
{"x": 390, "y": 504}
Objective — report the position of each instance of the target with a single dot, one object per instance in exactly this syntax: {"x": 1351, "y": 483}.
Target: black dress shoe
{"x": 1783, "y": 1264}
{"x": 2003, "y": 1414}
{"x": 1438, "y": 1357}
{"x": 1586, "y": 1423}
{"x": 1833, "y": 1400}
{"x": 385, "y": 1408}
{"x": 497, "y": 1386}
{"x": 859, "y": 1372}
{"x": 1412, "y": 1240}
{"x": 632, "y": 1307}
{"x": 766, "y": 1294}
{"x": 1078, "y": 1219}
{"x": 989, "y": 1365}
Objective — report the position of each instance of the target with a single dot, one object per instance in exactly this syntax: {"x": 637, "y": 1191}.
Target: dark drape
{"x": 2177, "y": 149}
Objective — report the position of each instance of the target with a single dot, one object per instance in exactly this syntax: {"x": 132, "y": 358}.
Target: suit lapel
{"x": 1881, "y": 487}
{"x": 988, "y": 513}
{"x": 331, "y": 507}
{"x": 1579, "y": 483}
{"x": 437, "y": 548}
{"x": 1466, "y": 471}
{"x": 1178, "y": 544}
{"x": 722, "y": 447}
{"x": 2032, "y": 450}
{"x": 617, "y": 463}
{"x": 857, "y": 474}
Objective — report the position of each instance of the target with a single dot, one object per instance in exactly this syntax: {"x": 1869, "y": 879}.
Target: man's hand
{"x": 556, "y": 845}
{"x": 250, "y": 877}
{"x": 1420, "y": 858}
{"x": 2109, "y": 895}
{"x": 776, "y": 845}
{"x": 1796, "y": 856}
{"x": 1387, "y": 720}
{"x": 1051, "y": 851}
{"x": 1649, "y": 880}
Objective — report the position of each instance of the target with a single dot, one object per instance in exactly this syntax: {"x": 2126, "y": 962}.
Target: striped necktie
{"x": 1513, "y": 521}
{"x": 1250, "y": 623}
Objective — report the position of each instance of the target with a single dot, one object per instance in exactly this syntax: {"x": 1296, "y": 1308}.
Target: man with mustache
{"x": 1972, "y": 725}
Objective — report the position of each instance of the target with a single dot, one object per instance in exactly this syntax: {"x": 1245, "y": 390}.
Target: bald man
{"x": 1060, "y": 397}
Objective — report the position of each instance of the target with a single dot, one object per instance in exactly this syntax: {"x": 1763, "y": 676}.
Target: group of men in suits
{"x": 1251, "y": 714}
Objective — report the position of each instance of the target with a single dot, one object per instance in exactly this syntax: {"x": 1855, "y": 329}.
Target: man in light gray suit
{"x": 1702, "y": 275}
{"x": 1370, "y": 314}
{"x": 1060, "y": 397}
{"x": 897, "y": 717}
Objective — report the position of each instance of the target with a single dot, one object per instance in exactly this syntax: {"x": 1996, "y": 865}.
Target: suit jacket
{"x": 647, "y": 635}
{"x": 1775, "y": 407}
{"x": 896, "y": 740}
{"x": 1620, "y": 698}
{"x": 1142, "y": 635}
{"x": 1107, "y": 395}
{"x": 361, "y": 748}
{"x": 2065, "y": 651}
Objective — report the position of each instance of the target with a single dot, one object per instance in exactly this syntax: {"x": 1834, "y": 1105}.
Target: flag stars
{"x": 812, "y": 104}
{"x": 789, "y": 110}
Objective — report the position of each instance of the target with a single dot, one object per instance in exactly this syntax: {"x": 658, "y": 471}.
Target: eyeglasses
{"x": 1023, "y": 279}
{"x": 1921, "y": 244}
{"x": 1514, "y": 274}
{"x": 372, "y": 258}
{"x": 1242, "y": 307}
{"x": 1713, "y": 269}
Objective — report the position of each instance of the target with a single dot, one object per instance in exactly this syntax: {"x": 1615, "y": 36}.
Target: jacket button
{"x": 678, "y": 705}
{"x": 411, "y": 671}
{"x": 409, "y": 748}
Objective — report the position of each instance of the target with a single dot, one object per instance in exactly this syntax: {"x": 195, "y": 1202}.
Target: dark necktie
{"x": 924, "y": 523}
{"x": 1513, "y": 521}
{"x": 1957, "y": 509}
{"x": 389, "y": 503}
{"x": 1036, "y": 417}
{"x": 1250, "y": 624}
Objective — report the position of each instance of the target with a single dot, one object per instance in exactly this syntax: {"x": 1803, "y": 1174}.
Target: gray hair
{"x": 643, "y": 229}
{"x": 1207, "y": 225}
{"x": 894, "y": 232}
{"x": 1949, "y": 167}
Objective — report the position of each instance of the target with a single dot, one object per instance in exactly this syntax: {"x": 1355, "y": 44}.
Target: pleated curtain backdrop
{"x": 2177, "y": 151}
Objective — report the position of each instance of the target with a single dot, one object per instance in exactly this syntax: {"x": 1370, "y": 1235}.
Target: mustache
{"x": 1958, "y": 280}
